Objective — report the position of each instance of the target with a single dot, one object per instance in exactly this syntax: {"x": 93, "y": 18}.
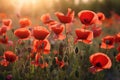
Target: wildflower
{"x": 3, "y": 29}
{"x": 68, "y": 18}
{"x": 42, "y": 46}
{"x": 96, "y": 31}
{"x": 8, "y": 57}
{"x": 22, "y": 33}
{"x": 4, "y": 39}
{"x": 107, "y": 42}
{"x": 9, "y": 77}
{"x": 84, "y": 36}
{"x": 39, "y": 61}
{"x": 99, "y": 61}
{"x": 117, "y": 38}
{"x": 46, "y": 19}
{"x": 60, "y": 63}
{"x": 118, "y": 48}
{"x": 58, "y": 29}
{"x": 87, "y": 17}
{"x": 101, "y": 16}
{"x": 24, "y": 22}
{"x": 40, "y": 33}
{"x": 118, "y": 57}
{"x": 7, "y": 23}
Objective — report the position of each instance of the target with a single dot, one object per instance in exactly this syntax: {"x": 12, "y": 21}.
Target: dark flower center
{"x": 108, "y": 42}
{"x": 98, "y": 64}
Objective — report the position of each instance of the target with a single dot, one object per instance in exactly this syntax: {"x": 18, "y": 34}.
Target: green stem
{"x": 66, "y": 40}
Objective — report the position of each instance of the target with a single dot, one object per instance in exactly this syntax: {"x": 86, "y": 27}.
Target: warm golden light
{"x": 85, "y": 1}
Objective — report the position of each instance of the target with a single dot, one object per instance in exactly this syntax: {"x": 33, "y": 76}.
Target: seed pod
{"x": 59, "y": 58}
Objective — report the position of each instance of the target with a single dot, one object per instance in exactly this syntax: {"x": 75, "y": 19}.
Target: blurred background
{"x": 35, "y": 8}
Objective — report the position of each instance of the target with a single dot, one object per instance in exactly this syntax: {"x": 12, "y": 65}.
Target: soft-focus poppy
{"x": 24, "y": 22}
{"x": 22, "y": 33}
{"x": 42, "y": 46}
{"x": 101, "y": 16}
{"x": 58, "y": 30}
{"x": 84, "y": 36}
{"x": 59, "y": 63}
{"x": 68, "y": 18}
{"x": 4, "y": 39}
{"x": 39, "y": 61}
{"x": 118, "y": 57}
{"x": 96, "y": 31}
{"x": 1, "y": 32}
{"x": 7, "y": 23}
{"x": 8, "y": 57}
{"x": 3, "y": 15}
{"x": 40, "y": 33}
{"x": 118, "y": 48}
{"x": 99, "y": 62}
{"x": 3, "y": 29}
{"x": 46, "y": 18}
{"x": 87, "y": 17}
{"x": 108, "y": 42}
{"x": 117, "y": 38}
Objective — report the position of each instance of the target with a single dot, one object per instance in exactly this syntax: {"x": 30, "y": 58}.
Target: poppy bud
{"x": 51, "y": 68}
{"x": 47, "y": 60}
{"x": 77, "y": 73}
{"x": 54, "y": 61}
{"x": 76, "y": 50}
{"x": 59, "y": 58}
{"x": 65, "y": 58}
{"x": 65, "y": 78}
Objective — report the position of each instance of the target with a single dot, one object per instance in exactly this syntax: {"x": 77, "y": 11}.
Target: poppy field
{"x": 64, "y": 46}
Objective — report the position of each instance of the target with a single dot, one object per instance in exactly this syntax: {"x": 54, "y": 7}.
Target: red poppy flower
{"x": 107, "y": 42}
{"x": 41, "y": 46}
{"x": 118, "y": 48}
{"x": 40, "y": 33}
{"x": 99, "y": 62}
{"x": 24, "y": 22}
{"x": 7, "y": 23}
{"x": 22, "y": 33}
{"x": 46, "y": 18}
{"x": 96, "y": 31}
{"x": 83, "y": 35}
{"x": 87, "y": 17}
{"x": 58, "y": 30}
{"x": 59, "y": 63}
{"x": 68, "y": 18}
{"x": 39, "y": 61}
{"x": 4, "y": 40}
{"x": 9, "y": 57}
{"x": 101, "y": 16}
{"x": 3, "y": 29}
{"x": 118, "y": 57}
{"x": 117, "y": 38}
